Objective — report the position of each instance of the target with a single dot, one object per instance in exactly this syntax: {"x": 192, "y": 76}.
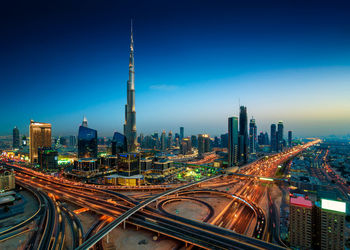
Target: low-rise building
{"x": 7, "y": 180}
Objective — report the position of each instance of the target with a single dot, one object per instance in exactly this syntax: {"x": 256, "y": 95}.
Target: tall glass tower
{"x": 15, "y": 138}
{"x": 232, "y": 141}
{"x": 87, "y": 141}
{"x": 130, "y": 113}
{"x": 243, "y": 135}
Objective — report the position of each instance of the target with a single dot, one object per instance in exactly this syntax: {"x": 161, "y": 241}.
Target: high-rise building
{"x": 15, "y": 138}
{"x": 224, "y": 140}
{"x": 243, "y": 136}
{"x": 185, "y": 146}
{"x": 232, "y": 141}
{"x": 39, "y": 136}
{"x": 252, "y": 136}
{"x": 273, "y": 138}
{"x": 182, "y": 133}
{"x": 194, "y": 141}
{"x": 332, "y": 223}
{"x": 130, "y": 113}
{"x": 118, "y": 143}
{"x": 280, "y": 137}
{"x": 289, "y": 138}
{"x": 300, "y": 232}
{"x": 87, "y": 142}
{"x": 203, "y": 144}
{"x": 266, "y": 139}
{"x": 170, "y": 139}
{"x": 163, "y": 143}
{"x": 72, "y": 141}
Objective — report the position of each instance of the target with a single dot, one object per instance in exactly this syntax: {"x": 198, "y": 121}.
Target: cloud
{"x": 165, "y": 87}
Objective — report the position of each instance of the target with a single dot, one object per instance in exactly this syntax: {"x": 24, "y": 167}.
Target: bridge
{"x": 94, "y": 239}
{"x": 262, "y": 178}
{"x": 239, "y": 242}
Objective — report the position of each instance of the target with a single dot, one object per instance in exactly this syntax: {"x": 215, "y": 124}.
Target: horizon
{"x": 191, "y": 69}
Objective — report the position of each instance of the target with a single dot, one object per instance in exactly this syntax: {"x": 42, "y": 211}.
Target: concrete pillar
{"x": 124, "y": 224}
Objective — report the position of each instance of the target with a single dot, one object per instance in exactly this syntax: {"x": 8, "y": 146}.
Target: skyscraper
{"x": 15, "y": 138}
{"x": 232, "y": 140}
{"x": 130, "y": 113}
{"x": 300, "y": 222}
{"x": 252, "y": 136}
{"x": 39, "y": 136}
{"x": 118, "y": 143}
{"x": 163, "y": 141}
{"x": 170, "y": 139}
{"x": 289, "y": 138}
{"x": 182, "y": 133}
{"x": 243, "y": 136}
{"x": 72, "y": 141}
{"x": 185, "y": 146}
{"x": 87, "y": 141}
{"x": 280, "y": 137}
{"x": 203, "y": 144}
{"x": 194, "y": 141}
{"x": 273, "y": 138}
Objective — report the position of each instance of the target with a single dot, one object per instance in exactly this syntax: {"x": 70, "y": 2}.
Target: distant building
{"x": 72, "y": 141}
{"x": 194, "y": 141}
{"x": 163, "y": 144}
{"x": 170, "y": 139}
{"x": 273, "y": 137}
{"x": 300, "y": 232}
{"x": 40, "y": 136}
{"x": 24, "y": 141}
{"x": 185, "y": 146}
{"x": 182, "y": 133}
{"x": 289, "y": 138}
{"x": 15, "y": 138}
{"x": 252, "y": 136}
{"x": 87, "y": 142}
{"x": 203, "y": 144}
{"x": 47, "y": 158}
{"x": 7, "y": 180}
{"x": 280, "y": 137}
{"x": 224, "y": 140}
{"x": 232, "y": 141}
{"x": 118, "y": 143}
{"x": 243, "y": 136}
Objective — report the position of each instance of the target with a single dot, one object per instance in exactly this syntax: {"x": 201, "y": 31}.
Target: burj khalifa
{"x": 130, "y": 113}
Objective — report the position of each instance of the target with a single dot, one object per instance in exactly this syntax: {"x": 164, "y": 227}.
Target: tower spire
{"x": 131, "y": 37}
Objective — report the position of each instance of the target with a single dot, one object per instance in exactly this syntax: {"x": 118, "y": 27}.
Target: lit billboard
{"x": 337, "y": 206}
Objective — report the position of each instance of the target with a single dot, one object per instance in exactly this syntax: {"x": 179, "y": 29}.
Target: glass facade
{"x": 87, "y": 143}
{"x": 118, "y": 143}
{"x": 128, "y": 164}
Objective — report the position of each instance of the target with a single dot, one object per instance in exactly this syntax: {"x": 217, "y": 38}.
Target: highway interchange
{"x": 244, "y": 224}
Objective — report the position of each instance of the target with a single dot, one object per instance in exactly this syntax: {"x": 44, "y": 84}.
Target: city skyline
{"x": 280, "y": 72}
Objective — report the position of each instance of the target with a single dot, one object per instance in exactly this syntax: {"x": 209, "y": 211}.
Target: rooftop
{"x": 300, "y": 201}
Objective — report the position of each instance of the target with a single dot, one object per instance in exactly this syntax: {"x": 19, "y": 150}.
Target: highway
{"x": 107, "y": 202}
{"x": 181, "y": 229}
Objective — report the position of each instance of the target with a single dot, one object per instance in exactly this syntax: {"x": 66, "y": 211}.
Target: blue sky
{"x": 284, "y": 60}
